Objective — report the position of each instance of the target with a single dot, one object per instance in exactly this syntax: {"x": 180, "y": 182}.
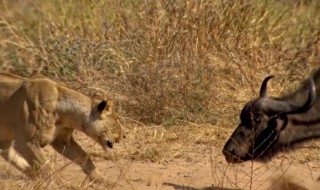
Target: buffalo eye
{"x": 257, "y": 119}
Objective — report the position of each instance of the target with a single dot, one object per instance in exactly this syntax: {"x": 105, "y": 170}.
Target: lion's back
{"x": 9, "y": 84}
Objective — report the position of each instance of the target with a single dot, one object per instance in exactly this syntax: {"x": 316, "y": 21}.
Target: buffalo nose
{"x": 229, "y": 153}
{"x": 228, "y": 150}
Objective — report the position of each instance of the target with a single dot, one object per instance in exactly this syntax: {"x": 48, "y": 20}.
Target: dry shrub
{"x": 164, "y": 61}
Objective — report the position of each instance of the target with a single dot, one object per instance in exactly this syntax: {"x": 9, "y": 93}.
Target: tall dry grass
{"x": 164, "y": 61}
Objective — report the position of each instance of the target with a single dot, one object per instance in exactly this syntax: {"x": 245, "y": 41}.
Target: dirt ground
{"x": 175, "y": 158}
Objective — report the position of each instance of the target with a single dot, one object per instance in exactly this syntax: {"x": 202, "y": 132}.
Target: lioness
{"x": 37, "y": 111}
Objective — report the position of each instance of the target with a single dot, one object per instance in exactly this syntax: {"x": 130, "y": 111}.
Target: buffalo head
{"x": 261, "y": 121}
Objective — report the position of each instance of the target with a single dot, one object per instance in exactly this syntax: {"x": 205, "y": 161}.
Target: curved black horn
{"x": 279, "y": 106}
{"x": 310, "y": 101}
{"x": 263, "y": 88}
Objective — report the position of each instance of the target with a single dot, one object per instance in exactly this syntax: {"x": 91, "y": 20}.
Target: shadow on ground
{"x": 183, "y": 187}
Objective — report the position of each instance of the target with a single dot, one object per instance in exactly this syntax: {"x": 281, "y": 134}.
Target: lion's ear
{"x": 105, "y": 106}
{"x": 109, "y": 106}
{"x": 102, "y": 105}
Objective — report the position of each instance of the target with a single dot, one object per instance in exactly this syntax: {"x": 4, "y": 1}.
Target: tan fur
{"x": 36, "y": 112}
{"x": 290, "y": 178}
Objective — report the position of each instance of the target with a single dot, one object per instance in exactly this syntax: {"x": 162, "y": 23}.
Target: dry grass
{"x": 165, "y": 61}
{"x": 184, "y": 64}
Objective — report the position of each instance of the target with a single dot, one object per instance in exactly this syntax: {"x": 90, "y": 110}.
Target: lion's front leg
{"x": 34, "y": 155}
{"x": 73, "y": 151}
{"x": 13, "y": 157}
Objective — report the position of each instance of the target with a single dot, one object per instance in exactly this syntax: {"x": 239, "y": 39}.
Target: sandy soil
{"x": 178, "y": 158}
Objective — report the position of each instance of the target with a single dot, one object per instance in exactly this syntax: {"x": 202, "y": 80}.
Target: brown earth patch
{"x": 176, "y": 158}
